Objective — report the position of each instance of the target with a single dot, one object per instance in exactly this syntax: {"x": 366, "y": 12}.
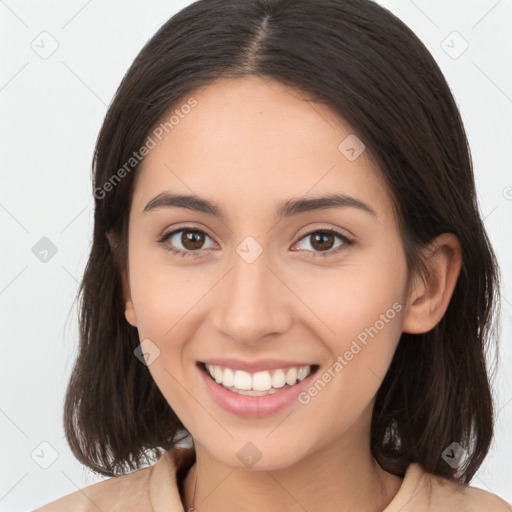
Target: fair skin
{"x": 247, "y": 146}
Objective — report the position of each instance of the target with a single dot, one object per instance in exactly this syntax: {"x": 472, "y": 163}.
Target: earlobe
{"x": 430, "y": 297}
{"x": 129, "y": 311}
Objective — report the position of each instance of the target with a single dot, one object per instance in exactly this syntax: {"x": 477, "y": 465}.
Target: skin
{"x": 248, "y": 145}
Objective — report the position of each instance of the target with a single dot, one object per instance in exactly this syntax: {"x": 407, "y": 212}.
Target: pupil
{"x": 192, "y": 239}
{"x": 322, "y": 245}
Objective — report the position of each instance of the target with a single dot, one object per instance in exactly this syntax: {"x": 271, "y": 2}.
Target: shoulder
{"x": 127, "y": 493}
{"x": 139, "y": 491}
{"x": 423, "y": 491}
{"x": 464, "y": 497}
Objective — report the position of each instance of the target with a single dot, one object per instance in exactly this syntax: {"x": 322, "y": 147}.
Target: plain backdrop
{"x": 61, "y": 62}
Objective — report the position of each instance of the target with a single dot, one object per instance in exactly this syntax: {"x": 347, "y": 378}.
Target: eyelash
{"x": 322, "y": 254}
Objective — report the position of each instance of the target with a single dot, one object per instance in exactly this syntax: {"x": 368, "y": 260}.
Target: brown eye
{"x": 192, "y": 240}
{"x": 323, "y": 242}
{"x": 185, "y": 241}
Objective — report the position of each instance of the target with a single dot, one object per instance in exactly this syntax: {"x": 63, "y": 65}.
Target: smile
{"x": 259, "y": 383}
{"x": 238, "y": 391}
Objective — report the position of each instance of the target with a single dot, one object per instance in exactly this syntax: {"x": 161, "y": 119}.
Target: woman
{"x": 288, "y": 271}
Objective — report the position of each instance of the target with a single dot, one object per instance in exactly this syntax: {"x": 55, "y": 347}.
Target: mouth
{"x": 257, "y": 384}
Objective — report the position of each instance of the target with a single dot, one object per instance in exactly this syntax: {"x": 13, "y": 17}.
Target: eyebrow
{"x": 288, "y": 208}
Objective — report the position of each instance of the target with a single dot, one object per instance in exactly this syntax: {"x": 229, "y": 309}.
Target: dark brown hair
{"x": 370, "y": 69}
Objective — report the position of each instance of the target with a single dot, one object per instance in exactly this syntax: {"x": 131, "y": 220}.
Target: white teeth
{"x": 228, "y": 377}
{"x": 242, "y": 380}
{"x": 291, "y": 376}
{"x": 278, "y": 379}
{"x": 303, "y": 373}
{"x": 259, "y": 383}
{"x": 217, "y": 374}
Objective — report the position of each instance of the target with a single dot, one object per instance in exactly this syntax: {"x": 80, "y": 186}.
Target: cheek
{"x": 360, "y": 308}
{"x": 353, "y": 299}
{"x": 165, "y": 299}
{"x": 164, "y": 293}
{"x": 361, "y": 351}
{"x": 167, "y": 302}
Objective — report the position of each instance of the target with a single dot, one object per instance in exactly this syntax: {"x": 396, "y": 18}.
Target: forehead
{"x": 248, "y": 141}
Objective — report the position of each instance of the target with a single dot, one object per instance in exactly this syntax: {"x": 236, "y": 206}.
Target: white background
{"x": 51, "y": 112}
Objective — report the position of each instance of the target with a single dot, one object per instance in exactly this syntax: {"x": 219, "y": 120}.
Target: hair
{"x": 372, "y": 70}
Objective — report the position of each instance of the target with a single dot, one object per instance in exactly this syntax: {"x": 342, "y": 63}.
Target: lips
{"x": 258, "y": 403}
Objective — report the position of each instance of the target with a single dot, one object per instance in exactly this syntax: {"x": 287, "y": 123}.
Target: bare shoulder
{"x": 447, "y": 495}
{"x": 127, "y": 493}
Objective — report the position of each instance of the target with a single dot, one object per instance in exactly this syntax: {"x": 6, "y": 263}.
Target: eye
{"x": 191, "y": 240}
{"x": 322, "y": 242}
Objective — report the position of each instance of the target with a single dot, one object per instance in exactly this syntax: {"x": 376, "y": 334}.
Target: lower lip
{"x": 253, "y": 406}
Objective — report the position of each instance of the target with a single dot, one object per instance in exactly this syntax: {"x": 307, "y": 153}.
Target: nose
{"x": 252, "y": 302}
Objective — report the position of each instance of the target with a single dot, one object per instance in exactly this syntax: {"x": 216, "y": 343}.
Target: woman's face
{"x": 265, "y": 283}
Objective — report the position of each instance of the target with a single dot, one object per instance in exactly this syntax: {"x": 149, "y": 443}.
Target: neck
{"x": 341, "y": 476}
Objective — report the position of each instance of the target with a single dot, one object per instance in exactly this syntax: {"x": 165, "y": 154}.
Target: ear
{"x": 129, "y": 311}
{"x": 429, "y": 300}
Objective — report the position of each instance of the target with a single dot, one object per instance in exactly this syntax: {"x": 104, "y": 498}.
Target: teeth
{"x": 242, "y": 379}
{"x": 217, "y": 374}
{"x": 291, "y": 376}
{"x": 228, "y": 378}
{"x": 278, "y": 379}
{"x": 250, "y": 392}
{"x": 259, "y": 383}
{"x": 303, "y": 373}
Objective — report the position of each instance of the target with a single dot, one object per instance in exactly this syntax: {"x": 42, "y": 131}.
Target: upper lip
{"x": 254, "y": 366}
